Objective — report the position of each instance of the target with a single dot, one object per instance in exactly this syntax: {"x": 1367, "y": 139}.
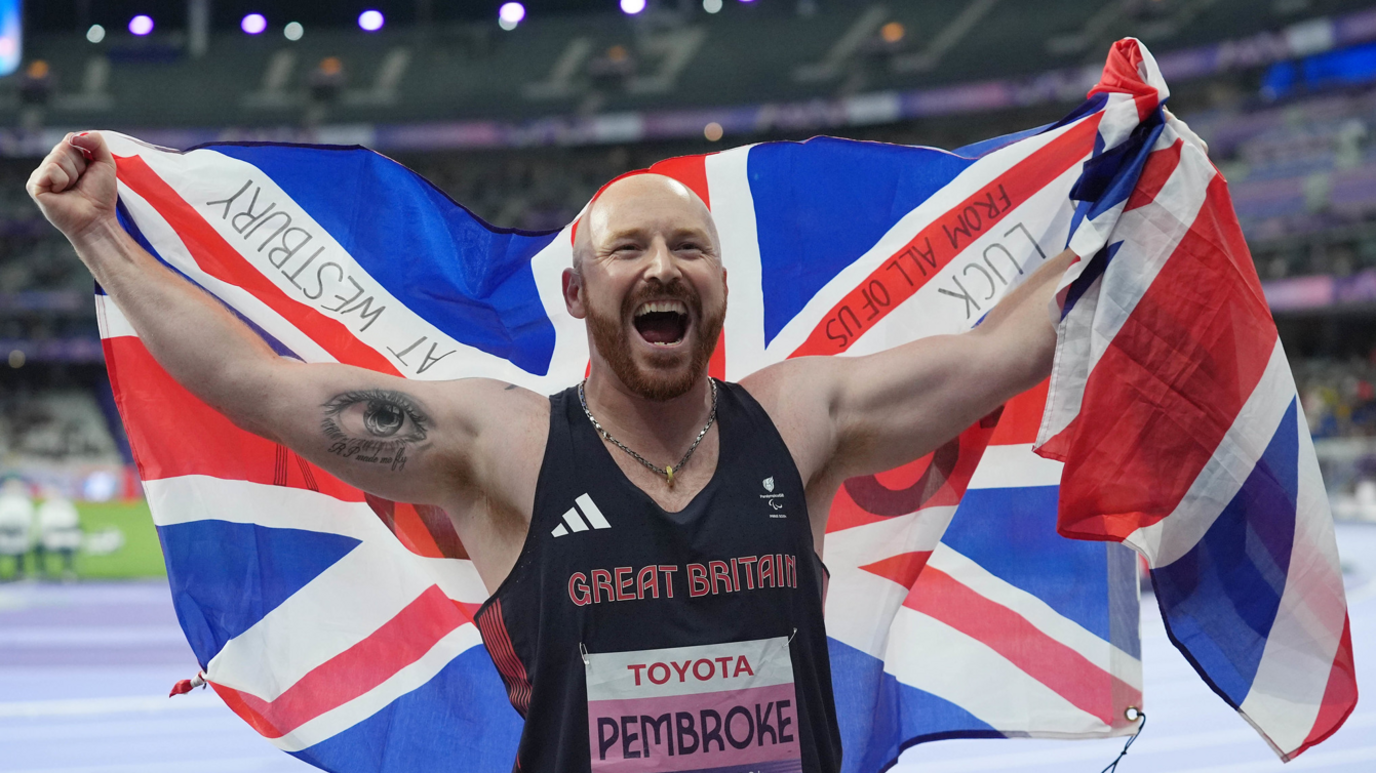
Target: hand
{"x": 75, "y": 185}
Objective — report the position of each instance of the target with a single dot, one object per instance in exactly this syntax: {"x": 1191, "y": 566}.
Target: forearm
{"x": 1019, "y": 330}
{"x": 200, "y": 343}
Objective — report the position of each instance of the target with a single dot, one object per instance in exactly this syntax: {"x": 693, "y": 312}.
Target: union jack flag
{"x": 339, "y": 625}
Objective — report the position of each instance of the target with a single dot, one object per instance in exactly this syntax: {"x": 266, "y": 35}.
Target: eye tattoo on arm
{"x": 374, "y": 426}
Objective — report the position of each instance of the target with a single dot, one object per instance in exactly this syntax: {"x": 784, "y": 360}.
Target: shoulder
{"x": 798, "y": 395}
{"x": 494, "y": 430}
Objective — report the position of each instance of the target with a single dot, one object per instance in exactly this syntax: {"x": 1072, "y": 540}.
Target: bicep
{"x": 404, "y": 440}
{"x": 900, "y": 404}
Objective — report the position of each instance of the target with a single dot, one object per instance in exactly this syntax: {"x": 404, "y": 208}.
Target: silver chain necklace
{"x": 667, "y": 470}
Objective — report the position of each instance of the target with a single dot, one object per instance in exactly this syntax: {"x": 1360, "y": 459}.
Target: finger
{"x": 61, "y": 151}
{"x": 52, "y": 178}
{"x": 93, "y": 146}
{"x": 72, "y": 163}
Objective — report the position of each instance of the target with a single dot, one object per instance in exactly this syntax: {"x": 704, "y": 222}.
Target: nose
{"x": 662, "y": 264}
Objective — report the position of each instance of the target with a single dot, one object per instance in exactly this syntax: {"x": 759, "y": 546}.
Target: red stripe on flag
{"x": 1170, "y": 384}
{"x": 902, "y": 568}
{"x": 716, "y": 366}
{"x": 909, "y": 269}
{"x": 1339, "y": 697}
{"x": 1021, "y": 417}
{"x": 219, "y": 259}
{"x": 423, "y": 529}
{"x": 689, "y": 170}
{"x": 1054, "y": 664}
{"x": 173, "y": 433}
{"x": 401, "y": 641}
{"x": 1160, "y": 166}
{"x": 1123, "y": 74}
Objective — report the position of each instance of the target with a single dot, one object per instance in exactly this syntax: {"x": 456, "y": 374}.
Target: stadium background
{"x": 522, "y": 119}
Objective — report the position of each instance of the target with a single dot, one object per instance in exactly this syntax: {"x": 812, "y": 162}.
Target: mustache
{"x": 675, "y": 290}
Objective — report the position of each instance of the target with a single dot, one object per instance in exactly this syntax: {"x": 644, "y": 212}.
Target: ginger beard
{"x": 667, "y": 375}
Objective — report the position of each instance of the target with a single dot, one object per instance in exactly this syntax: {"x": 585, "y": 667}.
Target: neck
{"x": 657, "y": 429}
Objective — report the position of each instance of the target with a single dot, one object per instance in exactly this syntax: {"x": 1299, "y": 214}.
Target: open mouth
{"x": 662, "y": 323}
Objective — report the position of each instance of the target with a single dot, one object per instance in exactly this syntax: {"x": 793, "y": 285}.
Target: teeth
{"x": 660, "y": 306}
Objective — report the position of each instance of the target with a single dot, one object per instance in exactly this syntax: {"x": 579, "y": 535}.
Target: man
{"x": 651, "y": 537}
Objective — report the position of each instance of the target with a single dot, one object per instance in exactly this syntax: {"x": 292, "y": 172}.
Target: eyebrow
{"x": 690, "y": 231}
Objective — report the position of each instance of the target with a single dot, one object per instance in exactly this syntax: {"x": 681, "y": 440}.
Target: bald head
{"x": 630, "y": 203}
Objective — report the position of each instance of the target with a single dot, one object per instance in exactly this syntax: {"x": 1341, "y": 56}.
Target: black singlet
{"x": 681, "y": 627}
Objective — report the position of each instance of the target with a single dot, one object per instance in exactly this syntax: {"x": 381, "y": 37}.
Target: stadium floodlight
{"x": 632, "y": 7}
{"x": 293, "y": 30}
{"x": 711, "y": 6}
{"x": 96, "y": 33}
{"x": 141, "y": 25}
{"x": 371, "y": 20}
{"x": 511, "y": 14}
{"x": 254, "y": 23}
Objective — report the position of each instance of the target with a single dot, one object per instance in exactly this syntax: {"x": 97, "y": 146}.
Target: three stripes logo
{"x": 573, "y": 519}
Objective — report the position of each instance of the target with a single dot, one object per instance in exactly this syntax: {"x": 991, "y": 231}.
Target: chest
{"x": 688, "y": 482}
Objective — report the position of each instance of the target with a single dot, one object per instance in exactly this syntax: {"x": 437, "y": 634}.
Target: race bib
{"x": 719, "y": 708}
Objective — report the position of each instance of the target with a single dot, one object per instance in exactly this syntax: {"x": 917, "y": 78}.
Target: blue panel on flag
{"x": 821, "y": 204}
{"x": 254, "y": 569}
{"x": 1011, "y": 532}
{"x": 472, "y": 281}
{"x": 1110, "y": 176}
{"x": 1244, "y": 558}
{"x": 458, "y": 722}
{"x": 879, "y": 717}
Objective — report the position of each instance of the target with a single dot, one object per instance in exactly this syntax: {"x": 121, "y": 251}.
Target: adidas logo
{"x": 573, "y": 519}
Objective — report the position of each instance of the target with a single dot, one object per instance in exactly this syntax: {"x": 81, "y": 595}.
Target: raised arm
{"x": 847, "y": 416}
{"x": 409, "y": 441}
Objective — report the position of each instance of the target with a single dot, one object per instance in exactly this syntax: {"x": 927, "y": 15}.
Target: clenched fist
{"x": 75, "y": 185}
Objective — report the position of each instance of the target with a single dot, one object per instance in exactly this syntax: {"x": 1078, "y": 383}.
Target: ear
{"x": 573, "y": 294}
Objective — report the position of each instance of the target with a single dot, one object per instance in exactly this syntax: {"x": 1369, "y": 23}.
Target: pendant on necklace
{"x": 669, "y": 471}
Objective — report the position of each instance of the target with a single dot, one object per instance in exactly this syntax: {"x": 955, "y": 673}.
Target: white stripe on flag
{"x": 1037, "y": 612}
{"x": 1287, "y": 690}
{"x": 191, "y": 498}
{"x": 1015, "y": 466}
{"x": 113, "y": 323}
{"x": 411, "y": 677}
{"x": 1164, "y": 542}
{"x": 929, "y": 655}
{"x": 733, "y": 210}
